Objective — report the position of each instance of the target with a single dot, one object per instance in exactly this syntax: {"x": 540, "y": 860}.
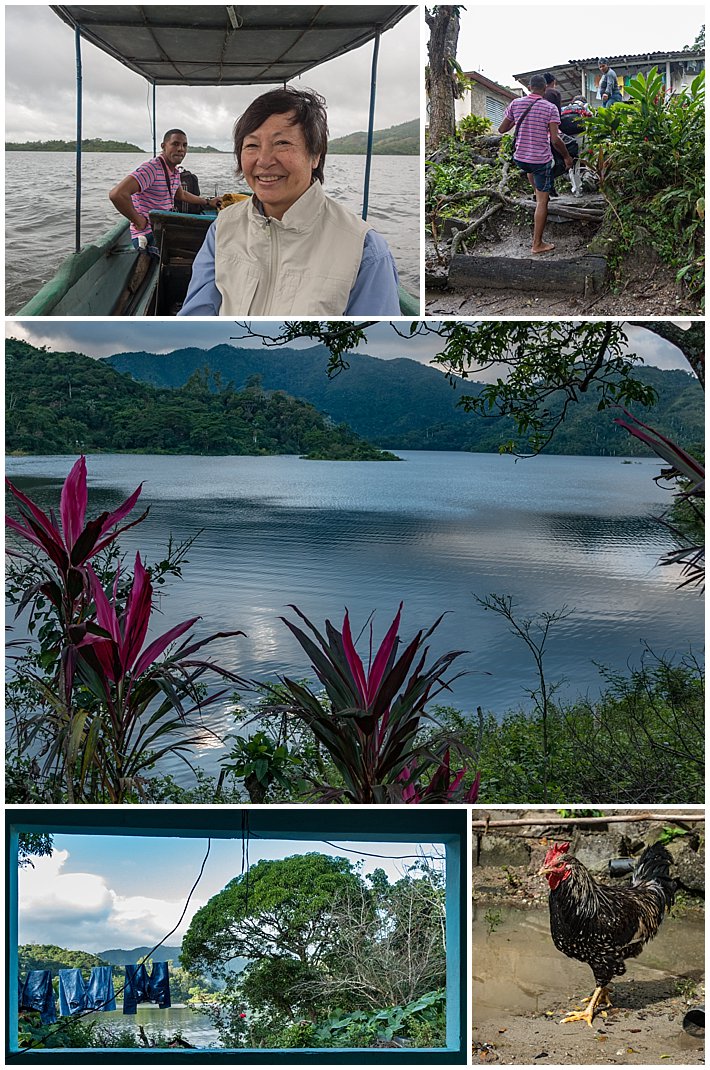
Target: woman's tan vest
{"x": 304, "y": 264}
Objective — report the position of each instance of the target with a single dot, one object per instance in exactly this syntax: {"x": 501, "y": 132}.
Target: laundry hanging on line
{"x": 97, "y": 994}
{"x": 76, "y": 995}
{"x": 140, "y": 988}
{"x": 36, "y": 994}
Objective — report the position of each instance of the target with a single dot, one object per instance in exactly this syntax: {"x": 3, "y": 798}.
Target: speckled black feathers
{"x": 603, "y": 925}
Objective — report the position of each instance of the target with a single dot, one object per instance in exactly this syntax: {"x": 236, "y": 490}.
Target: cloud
{"x": 103, "y": 338}
{"x": 80, "y": 911}
{"x": 116, "y": 101}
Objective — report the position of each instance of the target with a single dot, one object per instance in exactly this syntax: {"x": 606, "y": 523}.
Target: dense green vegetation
{"x": 68, "y": 403}
{"x": 650, "y": 157}
{"x": 51, "y": 957}
{"x": 402, "y": 404}
{"x": 335, "y": 959}
{"x": 89, "y": 144}
{"x": 642, "y": 741}
{"x": 400, "y": 140}
{"x": 85, "y": 1033}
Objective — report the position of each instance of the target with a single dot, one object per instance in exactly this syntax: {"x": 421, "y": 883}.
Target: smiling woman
{"x": 202, "y": 53}
{"x": 291, "y": 249}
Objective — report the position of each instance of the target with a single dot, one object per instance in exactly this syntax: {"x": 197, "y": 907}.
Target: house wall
{"x": 474, "y": 102}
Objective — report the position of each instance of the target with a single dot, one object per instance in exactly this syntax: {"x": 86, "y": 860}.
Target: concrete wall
{"x": 594, "y": 845}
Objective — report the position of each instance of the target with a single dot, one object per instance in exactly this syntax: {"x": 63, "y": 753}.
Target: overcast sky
{"x": 97, "y": 893}
{"x": 103, "y": 338}
{"x": 504, "y": 39}
{"x": 40, "y": 101}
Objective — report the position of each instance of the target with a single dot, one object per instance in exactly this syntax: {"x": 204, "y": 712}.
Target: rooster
{"x": 603, "y": 925}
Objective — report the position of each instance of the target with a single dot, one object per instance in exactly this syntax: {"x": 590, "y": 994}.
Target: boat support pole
{"x": 371, "y": 124}
{"x": 155, "y": 145}
{"x": 77, "y": 218}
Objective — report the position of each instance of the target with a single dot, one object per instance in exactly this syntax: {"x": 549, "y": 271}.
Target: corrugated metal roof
{"x": 638, "y": 57}
{"x": 568, "y": 74}
{"x": 224, "y": 45}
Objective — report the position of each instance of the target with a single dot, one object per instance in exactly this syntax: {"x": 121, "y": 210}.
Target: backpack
{"x": 190, "y": 184}
{"x": 558, "y": 164}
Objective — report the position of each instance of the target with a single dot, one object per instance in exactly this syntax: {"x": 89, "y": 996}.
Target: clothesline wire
{"x": 369, "y": 854}
{"x": 338, "y": 847}
{"x": 119, "y": 991}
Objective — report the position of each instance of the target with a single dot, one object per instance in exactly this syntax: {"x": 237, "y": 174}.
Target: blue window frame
{"x": 447, "y": 825}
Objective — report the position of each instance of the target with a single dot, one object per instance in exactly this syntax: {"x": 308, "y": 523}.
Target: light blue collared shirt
{"x": 374, "y": 291}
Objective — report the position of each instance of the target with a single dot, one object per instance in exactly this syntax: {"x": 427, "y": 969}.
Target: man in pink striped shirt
{"x": 155, "y": 186}
{"x": 536, "y": 123}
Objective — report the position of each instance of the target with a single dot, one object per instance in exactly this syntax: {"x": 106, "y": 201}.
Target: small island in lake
{"x": 67, "y": 403}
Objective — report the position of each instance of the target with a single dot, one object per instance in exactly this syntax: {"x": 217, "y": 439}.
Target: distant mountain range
{"x": 400, "y": 140}
{"x": 402, "y": 404}
{"x": 118, "y": 957}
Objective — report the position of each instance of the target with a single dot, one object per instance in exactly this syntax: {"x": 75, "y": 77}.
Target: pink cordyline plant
{"x": 70, "y": 543}
{"x": 683, "y": 466}
{"x": 120, "y": 654}
{"x": 442, "y": 782}
{"x": 373, "y": 725}
{"x": 130, "y": 709}
{"x": 74, "y": 540}
{"x": 142, "y": 713}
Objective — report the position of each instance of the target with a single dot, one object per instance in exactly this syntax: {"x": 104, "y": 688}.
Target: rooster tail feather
{"x": 654, "y": 865}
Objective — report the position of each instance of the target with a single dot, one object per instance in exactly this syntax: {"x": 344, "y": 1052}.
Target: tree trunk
{"x": 443, "y": 23}
{"x": 257, "y": 790}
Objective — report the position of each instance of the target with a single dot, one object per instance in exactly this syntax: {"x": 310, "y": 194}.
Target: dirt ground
{"x": 647, "y": 1030}
{"x": 647, "y": 288}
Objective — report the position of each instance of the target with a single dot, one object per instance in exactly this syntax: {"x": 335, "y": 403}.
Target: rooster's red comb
{"x": 556, "y": 850}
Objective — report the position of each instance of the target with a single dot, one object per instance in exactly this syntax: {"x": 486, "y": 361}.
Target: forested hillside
{"x": 51, "y": 957}
{"x": 402, "y": 404}
{"x": 400, "y": 140}
{"x": 69, "y": 403}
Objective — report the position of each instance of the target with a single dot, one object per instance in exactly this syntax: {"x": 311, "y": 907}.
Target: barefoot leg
{"x": 538, "y": 245}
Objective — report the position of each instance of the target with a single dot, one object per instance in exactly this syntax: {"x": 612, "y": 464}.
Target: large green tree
{"x": 319, "y": 937}
{"x": 279, "y": 909}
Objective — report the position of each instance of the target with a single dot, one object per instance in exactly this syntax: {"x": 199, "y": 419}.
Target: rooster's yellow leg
{"x": 599, "y": 996}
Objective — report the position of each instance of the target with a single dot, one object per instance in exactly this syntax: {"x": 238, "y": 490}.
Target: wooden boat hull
{"x": 90, "y": 282}
{"x": 109, "y": 278}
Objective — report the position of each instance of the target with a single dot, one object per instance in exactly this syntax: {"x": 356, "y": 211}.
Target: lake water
{"x": 39, "y": 206}
{"x": 431, "y": 531}
{"x": 194, "y": 1027}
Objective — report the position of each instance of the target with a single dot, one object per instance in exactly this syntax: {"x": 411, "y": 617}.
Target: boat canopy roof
{"x": 255, "y": 44}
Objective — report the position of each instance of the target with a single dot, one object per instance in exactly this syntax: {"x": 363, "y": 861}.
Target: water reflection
{"x": 431, "y": 531}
